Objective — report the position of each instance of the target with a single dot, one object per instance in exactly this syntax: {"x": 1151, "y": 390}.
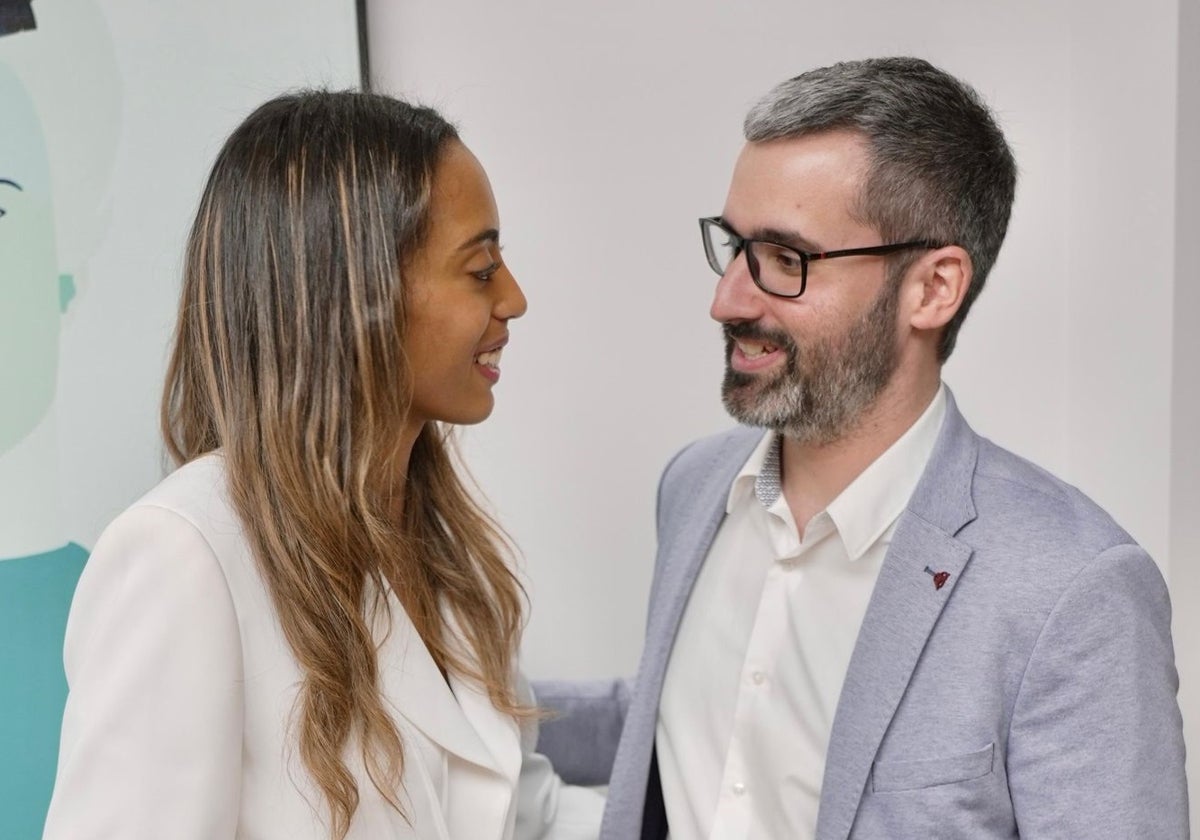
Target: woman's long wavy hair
{"x": 289, "y": 358}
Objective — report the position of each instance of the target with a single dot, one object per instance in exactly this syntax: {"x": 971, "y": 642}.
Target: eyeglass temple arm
{"x": 872, "y": 249}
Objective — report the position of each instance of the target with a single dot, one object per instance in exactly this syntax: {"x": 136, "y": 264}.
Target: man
{"x": 868, "y": 622}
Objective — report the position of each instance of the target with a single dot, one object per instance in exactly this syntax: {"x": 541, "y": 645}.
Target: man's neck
{"x": 29, "y": 500}
{"x": 816, "y": 474}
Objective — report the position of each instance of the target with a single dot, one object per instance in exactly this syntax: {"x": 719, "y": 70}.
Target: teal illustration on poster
{"x": 35, "y": 595}
{"x": 35, "y": 589}
{"x": 95, "y": 190}
{"x": 60, "y": 123}
{"x": 30, "y": 297}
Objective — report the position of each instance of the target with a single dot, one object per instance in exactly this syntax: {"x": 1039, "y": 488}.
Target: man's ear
{"x": 944, "y": 275}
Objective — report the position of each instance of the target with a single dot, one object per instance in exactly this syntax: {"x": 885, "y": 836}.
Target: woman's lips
{"x": 488, "y": 360}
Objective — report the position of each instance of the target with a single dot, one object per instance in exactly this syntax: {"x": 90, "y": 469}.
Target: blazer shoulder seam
{"x": 1061, "y": 487}
{"x": 1086, "y": 566}
{"x": 193, "y": 526}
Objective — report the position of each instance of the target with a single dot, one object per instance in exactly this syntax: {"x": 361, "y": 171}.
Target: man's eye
{"x": 786, "y": 261}
{"x": 3, "y": 212}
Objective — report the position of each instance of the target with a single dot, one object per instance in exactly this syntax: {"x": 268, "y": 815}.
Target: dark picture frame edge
{"x": 364, "y": 48}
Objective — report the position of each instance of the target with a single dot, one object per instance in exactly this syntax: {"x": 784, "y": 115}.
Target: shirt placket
{"x": 735, "y": 808}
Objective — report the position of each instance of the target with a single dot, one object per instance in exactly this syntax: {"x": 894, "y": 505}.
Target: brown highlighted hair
{"x": 288, "y": 358}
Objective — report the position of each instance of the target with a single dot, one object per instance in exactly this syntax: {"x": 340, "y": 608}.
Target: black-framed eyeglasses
{"x": 778, "y": 269}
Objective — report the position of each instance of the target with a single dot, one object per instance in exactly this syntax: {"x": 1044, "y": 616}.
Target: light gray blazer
{"x": 1032, "y": 695}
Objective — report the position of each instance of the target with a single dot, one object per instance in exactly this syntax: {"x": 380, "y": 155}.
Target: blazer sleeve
{"x": 581, "y": 733}
{"x": 1096, "y": 741}
{"x": 548, "y": 809}
{"x": 152, "y": 733}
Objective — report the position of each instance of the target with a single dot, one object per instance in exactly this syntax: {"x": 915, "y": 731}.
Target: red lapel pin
{"x": 939, "y": 578}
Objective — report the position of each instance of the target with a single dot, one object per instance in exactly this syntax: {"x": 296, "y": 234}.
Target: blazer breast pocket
{"x": 896, "y": 776}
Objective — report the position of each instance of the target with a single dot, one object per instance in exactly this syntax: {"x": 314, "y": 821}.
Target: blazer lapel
{"x": 482, "y": 803}
{"x": 417, "y": 691}
{"x": 688, "y": 547}
{"x": 688, "y": 518}
{"x": 482, "y": 745}
{"x": 904, "y": 607}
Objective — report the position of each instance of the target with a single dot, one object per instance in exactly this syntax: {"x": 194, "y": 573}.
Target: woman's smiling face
{"x": 461, "y": 300}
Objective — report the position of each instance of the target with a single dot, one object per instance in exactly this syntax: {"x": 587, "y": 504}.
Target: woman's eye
{"x": 486, "y": 274}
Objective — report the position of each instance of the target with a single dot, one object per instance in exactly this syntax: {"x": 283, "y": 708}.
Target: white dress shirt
{"x": 762, "y": 650}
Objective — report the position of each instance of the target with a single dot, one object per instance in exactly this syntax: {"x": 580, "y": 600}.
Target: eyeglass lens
{"x": 776, "y": 268}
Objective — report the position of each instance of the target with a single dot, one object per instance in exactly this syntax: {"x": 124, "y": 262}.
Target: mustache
{"x": 750, "y": 331}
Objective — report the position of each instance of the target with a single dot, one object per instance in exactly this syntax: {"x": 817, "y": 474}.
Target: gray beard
{"x": 822, "y": 391}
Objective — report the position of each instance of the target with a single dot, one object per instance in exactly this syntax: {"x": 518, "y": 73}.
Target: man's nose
{"x": 737, "y": 298}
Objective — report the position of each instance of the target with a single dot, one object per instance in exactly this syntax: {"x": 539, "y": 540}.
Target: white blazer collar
{"x": 457, "y": 716}
{"x": 482, "y": 744}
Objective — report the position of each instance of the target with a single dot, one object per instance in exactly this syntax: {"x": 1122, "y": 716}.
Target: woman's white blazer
{"x": 183, "y": 689}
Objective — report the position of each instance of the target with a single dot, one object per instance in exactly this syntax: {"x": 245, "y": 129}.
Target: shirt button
{"x": 738, "y": 788}
{"x": 759, "y": 677}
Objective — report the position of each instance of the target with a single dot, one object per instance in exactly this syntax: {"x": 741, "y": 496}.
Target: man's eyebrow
{"x": 489, "y": 235}
{"x": 12, "y": 184}
{"x": 787, "y": 238}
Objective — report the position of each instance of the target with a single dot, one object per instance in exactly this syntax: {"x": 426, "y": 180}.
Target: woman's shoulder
{"x": 190, "y": 486}
{"x": 187, "y": 515}
{"x": 163, "y": 560}
{"x": 196, "y": 493}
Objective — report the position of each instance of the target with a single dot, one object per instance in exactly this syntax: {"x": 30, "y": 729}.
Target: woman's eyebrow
{"x": 489, "y": 235}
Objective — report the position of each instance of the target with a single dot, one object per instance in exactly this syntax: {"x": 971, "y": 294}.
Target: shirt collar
{"x": 872, "y": 501}
{"x": 761, "y": 467}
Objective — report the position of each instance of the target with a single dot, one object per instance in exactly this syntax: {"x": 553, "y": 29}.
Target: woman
{"x": 309, "y": 630}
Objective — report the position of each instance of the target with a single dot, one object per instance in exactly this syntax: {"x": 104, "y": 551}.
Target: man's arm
{"x": 1096, "y": 741}
{"x": 547, "y": 808}
{"x": 581, "y": 737}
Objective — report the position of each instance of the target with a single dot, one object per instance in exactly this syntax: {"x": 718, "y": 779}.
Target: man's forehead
{"x": 796, "y": 180}
{"x": 841, "y": 155}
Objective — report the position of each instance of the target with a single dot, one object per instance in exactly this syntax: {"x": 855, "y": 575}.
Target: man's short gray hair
{"x": 940, "y": 168}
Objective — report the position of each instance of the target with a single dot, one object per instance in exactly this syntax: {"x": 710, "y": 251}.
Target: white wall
{"x": 1121, "y": 227}
{"x": 1185, "y": 394}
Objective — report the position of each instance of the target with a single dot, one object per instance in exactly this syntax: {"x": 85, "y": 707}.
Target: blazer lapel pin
{"x": 939, "y": 578}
